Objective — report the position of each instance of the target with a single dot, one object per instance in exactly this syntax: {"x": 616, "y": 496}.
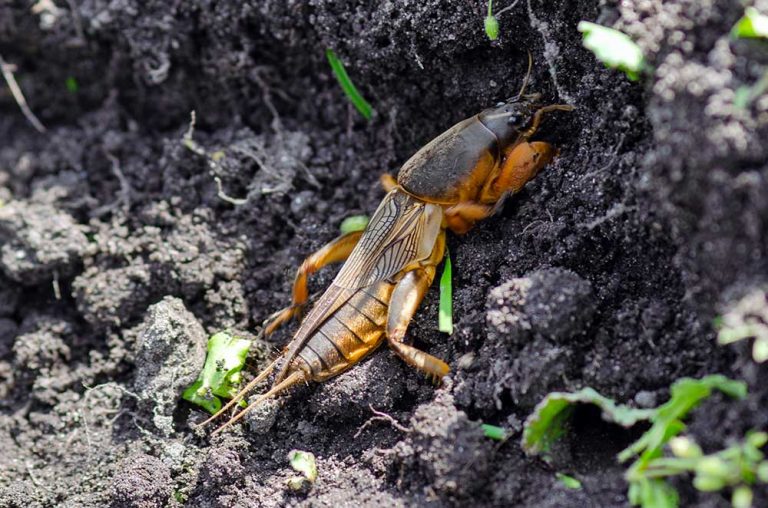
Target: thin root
{"x": 7, "y": 71}
{"x": 380, "y": 416}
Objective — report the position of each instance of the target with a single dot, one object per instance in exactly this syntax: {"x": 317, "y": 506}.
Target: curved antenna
{"x": 294, "y": 379}
{"x": 527, "y": 77}
{"x": 242, "y": 393}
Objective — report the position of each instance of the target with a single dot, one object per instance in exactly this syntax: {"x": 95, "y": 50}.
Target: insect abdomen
{"x": 349, "y": 334}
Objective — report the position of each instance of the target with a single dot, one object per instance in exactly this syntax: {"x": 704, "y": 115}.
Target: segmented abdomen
{"x": 347, "y": 335}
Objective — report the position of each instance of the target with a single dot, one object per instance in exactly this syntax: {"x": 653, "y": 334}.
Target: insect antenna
{"x": 242, "y": 393}
{"x": 294, "y": 379}
{"x": 527, "y": 77}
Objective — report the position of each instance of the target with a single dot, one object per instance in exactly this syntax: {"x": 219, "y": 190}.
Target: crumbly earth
{"x": 126, "y": 237}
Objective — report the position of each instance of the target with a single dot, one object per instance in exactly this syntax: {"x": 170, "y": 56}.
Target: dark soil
{"x": 119, "y": 255}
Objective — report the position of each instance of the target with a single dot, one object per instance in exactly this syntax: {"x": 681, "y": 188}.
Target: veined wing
{"x": 402, "y": 230}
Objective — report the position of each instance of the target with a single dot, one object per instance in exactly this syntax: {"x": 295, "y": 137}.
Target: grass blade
{"x": 349, "y": 88}
{"x": 445, "y": 314}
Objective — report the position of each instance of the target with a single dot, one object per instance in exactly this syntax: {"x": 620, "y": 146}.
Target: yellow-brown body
{"x": 457, "y": 179}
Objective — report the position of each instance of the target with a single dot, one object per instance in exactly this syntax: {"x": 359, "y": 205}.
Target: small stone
{"x": 170, "y": 356}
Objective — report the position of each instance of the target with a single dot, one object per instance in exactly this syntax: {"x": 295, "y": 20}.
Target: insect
{"x": 454, "y": 181}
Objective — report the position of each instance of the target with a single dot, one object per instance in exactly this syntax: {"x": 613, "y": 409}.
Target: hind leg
{"x": 334, "y": 252}
{"x": 406, "y": 297}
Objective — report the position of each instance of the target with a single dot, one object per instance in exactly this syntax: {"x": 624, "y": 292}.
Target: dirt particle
{"x": 446, "y": 448}
{"x": 142, "y": 481}
{"x": 38, "y": 241}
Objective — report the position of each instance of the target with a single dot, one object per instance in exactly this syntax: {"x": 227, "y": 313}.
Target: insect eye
{"x": 513, "y": 119}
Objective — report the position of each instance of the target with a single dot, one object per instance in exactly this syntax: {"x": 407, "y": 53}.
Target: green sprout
{"x": 494, "y": 432}
{"x": 738, "y": 467}
{"x": 304, "y": 463}
{"x": 221, "y": 374}
{"x": 353, "y": 223}
{"x": 491, "y": 23}
{"x": 752, "y": 25}
{"x": 71, "y": 84}
{"x": 547, "y": 424}
{"x": 568, "y": 481}
{"x": 349, "y": 88}
{"x": 686, "y": 394}
{"x": 745, "y": 95}
{"x": 614, "y": 48}
{"x": 445, "y": 311}
{"x": 747, "y": 319}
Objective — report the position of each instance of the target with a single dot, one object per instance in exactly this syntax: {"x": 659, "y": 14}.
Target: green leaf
{"x": 546, "y": 424}
{"x": 760, "y": 350}
{"x": 493, "y": 432}
{"x": 752, "y": 25}
{"x": 614, "y": 48}
{"x": 221, "y": 372}
{"x": 653, "y": 493}
{"x": 686, "y": 393}
{"x": 349, "y": 88}
{"x": 569, "y": 481}
{"x": 71, "y": 84}
{"x": 304, "y": 463}
{"x": 445, "y": 312}
{"x": 211, "y": 404}
{"x": 354, "y": 223}
{"x": 742, "y": 497}
{"x": 762, "y": 471}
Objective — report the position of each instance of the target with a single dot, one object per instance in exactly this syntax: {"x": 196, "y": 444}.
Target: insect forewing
{"x": 402, "y": 231}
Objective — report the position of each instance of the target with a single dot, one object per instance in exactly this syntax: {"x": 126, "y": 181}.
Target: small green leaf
{"x": 653, "y": 493}
{"x": 494, "y": 432}
{"x": 707, "y": 483}
{"x": 741, "y": 99}
{"x": 71, "y": 84}
{"x": 686, "y": 393}
{"x": 685, "y": 447}
{"x": 354, "y": 223}
{"x": 742, "y": 497}
{"x": 304, "y": 463}
{"x": 762, "y": 471}
{"x": 760, "y": 350}
{"x": 569, "y": 481}
{"x": 712, "y": 466}
{"x": 752, "y": 25}
{"x": 546, "y": 424}
{"x": 209, "y": 403}
{"x": 349, "y": 88}
{"x": 729, "y": 335}
{"x": 445, "y": 311}
{"x": 757, "y": 439}
{"x": 221, "y": 372}
{"x": 614, "y": 48}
